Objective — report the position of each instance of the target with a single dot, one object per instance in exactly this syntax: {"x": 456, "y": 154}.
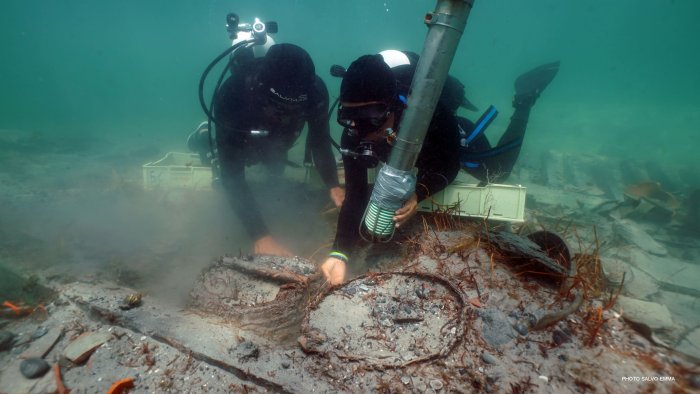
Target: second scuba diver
{"x": 372, "y": 99}
{"x": 259, "y": 112}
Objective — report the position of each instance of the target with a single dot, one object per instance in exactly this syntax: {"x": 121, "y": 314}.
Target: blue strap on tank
{"x": 484, "y": 121}
{"x": 479, "y": 128}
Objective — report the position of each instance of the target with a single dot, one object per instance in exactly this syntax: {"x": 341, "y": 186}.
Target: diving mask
{"x": 363, "y": 119}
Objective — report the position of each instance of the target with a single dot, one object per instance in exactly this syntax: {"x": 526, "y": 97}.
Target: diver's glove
{"x": 530, "y": 85}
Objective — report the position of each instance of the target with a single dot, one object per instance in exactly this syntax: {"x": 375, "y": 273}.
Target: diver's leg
{"x": 474, "y": 166}
{"x": 500, "y": 166}
{"x": 528, "y": 88}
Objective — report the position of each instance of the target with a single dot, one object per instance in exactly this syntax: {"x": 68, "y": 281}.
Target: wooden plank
{"x": 42, "y": 346}
{"x": 82, "y": 347}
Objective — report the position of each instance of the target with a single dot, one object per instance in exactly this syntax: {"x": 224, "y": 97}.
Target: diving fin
{"x": 529, "y": 85}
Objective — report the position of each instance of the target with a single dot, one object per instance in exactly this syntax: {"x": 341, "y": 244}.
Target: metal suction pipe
{"x": 445, "y": 27}
{"x": 395, "y": 181}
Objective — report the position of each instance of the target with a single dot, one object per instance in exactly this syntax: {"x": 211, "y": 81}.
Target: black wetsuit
{"x": 237, "y": 112}
{"x": 437, "y": 164}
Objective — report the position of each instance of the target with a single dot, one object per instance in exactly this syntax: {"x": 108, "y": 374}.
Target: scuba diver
{"x": 259, "y": 112}
{"x": 372, "y": 99}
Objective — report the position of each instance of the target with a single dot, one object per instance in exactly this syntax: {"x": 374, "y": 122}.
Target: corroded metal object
{"x": 264, "y": 294}
{"x": 386, "y": 320}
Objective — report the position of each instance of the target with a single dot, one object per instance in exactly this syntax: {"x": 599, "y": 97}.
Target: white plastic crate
{"x": 493, "y": 201}
{"x": 177, "y": 171}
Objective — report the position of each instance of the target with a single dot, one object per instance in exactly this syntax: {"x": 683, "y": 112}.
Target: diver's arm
{"x": 230, "y": 112}
{"x": 237, "y": 190}
{"x": 356, "y": 197}
{"x": 242, "y": 201}
{"x": 319, "y": 136}
{"x": 335, "y": 266}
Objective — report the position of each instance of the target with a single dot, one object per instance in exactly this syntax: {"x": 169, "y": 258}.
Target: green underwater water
{"x": 85, "y": 80}
{"x": 128, "y": 71}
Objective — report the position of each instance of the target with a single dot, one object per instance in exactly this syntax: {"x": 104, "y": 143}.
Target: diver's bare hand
{"x": 337, "y": 196}
{"x": 334, "y": 270}
{"x": 267, "y": 245}
{"x": 406, "y": 212}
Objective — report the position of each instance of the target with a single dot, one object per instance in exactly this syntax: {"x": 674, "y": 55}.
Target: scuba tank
{"x": 243, "y": 32}
{"x": 255, "y": 36}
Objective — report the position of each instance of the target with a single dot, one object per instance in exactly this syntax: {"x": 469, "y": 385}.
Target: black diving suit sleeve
{"x": 356, "y": 198}
{"x": 231, "y": 111}
{"x": 319, "y": 136}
